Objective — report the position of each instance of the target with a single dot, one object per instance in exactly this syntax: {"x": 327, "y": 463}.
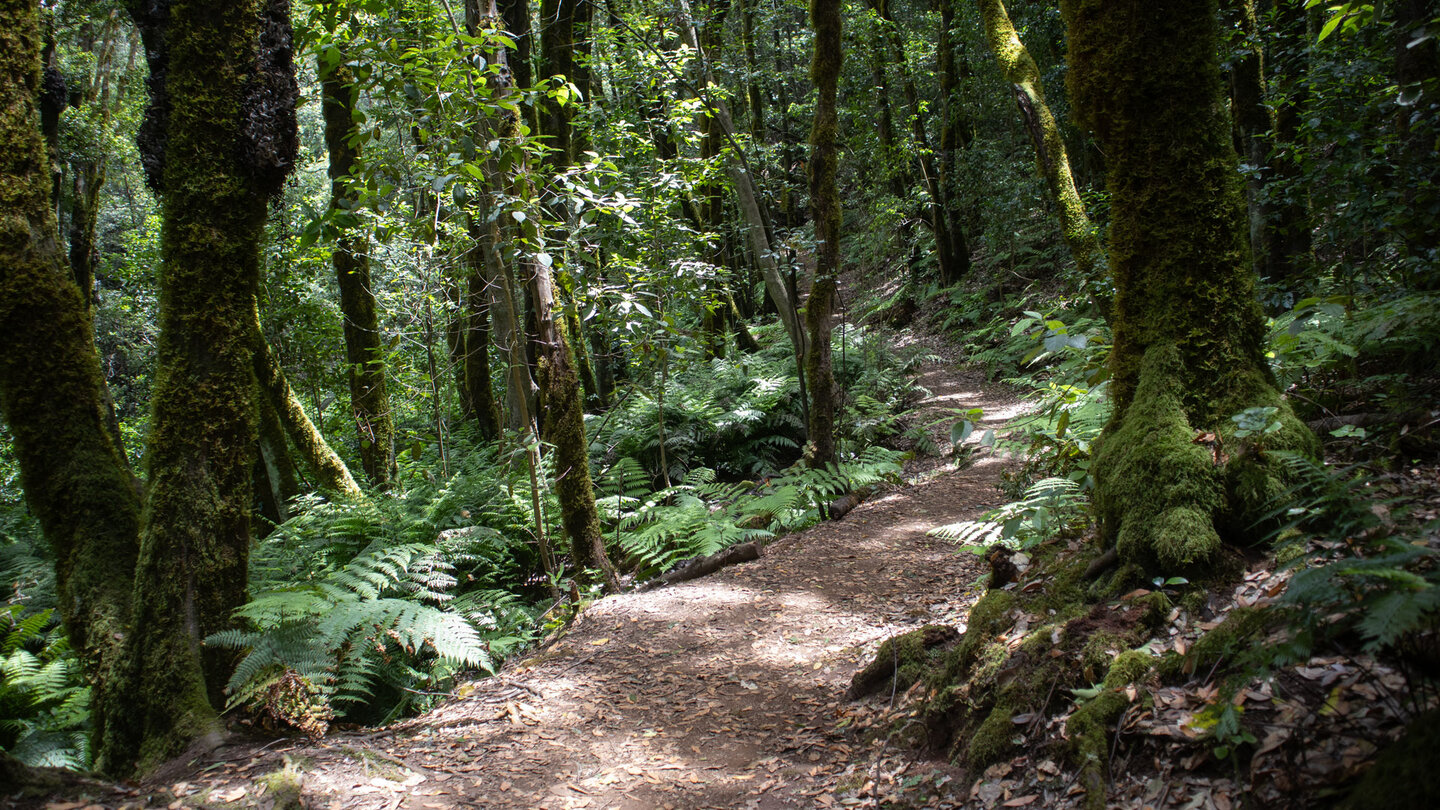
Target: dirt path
{"x": 725, "y": 692}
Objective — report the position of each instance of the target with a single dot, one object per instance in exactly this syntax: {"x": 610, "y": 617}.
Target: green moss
{"x": 1155, "y": 488}
{"x": 1188, "y": 331}
{"x": 992, "y": 741}
{"x": 1231, "y": 636}
{"x": 283, "y": 787}
{"x": 74, "y": 475}
{"x": 1128, "y": 667}
{"x": 1089, "y": 732}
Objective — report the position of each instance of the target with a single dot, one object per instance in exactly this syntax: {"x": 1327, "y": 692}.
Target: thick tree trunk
{"x": 75, "y": 479}
{"x": 364, "y": 350}
{"x": 1050, "y": 156}
{"x": 826, "y": 213}
{"x": 1188, "y": 331}
{"x": 218, "y": 141}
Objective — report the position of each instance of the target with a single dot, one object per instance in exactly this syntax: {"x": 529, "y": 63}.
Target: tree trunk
{"x": 1050, "y": 156}
{"x": 564, "y": 427}
{"x": 557, "y": 48}
{"x": 753, "y": 94}
{"x": 744, "y": 184}
{"x": 1290, "y": 230}
{"x": 1417, "y": 73}
{"x": 75, "y": 479}
{"x": 1253, "y": 120}
{"x": 475, "y": 342}
{"x": 218, "y": 141}
{"x": 364, "y": 350}
{"x": 952, "y": 257}
{"x": 826, "y": 213}
{"x": 329, "y": 471}
{"x": 1188, "y": 331}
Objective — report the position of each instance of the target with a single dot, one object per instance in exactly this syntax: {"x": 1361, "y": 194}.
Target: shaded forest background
{"x": 488, "y": 218}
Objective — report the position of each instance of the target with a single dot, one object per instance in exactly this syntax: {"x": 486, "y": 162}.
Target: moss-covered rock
{"x": 1089, "y": 732}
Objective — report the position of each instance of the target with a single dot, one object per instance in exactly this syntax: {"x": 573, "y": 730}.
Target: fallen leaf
{"x": 1021, "y": 801}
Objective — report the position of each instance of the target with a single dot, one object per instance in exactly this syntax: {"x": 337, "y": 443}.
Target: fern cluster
{"x": 741, "y": 415}
{"x": 363, "y": 608}
{"x": 1050, "y": 507}
{"x": 1358, "y": 576}
{"x": 44, "y": 702}
{"x": 657, "y": 530}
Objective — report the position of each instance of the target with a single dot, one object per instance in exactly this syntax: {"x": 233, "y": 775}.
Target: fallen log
{"x": 703, "y": 566}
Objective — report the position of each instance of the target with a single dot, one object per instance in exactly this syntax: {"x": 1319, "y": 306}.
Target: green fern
{"x": 44, "y": 701}
{"x": 1050, "y": 507}
{"x": 379, "y": 618}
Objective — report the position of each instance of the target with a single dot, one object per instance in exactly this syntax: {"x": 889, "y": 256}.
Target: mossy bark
{"x": 74, "y": 475}
{"x": 218, "y": 142}
{"x": 364, "y": 351}
{"x": 328, "y": 469}
{"x": 1051, "y": 158}
{"x": 1188, "y": 331}
{"x": 827, "y": 216}
{"x": 563, "y": 425}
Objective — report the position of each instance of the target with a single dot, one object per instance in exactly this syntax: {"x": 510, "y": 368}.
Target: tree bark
{"x": 953, "y": 258}
{"x": 364, "y": 350}
{"x": 329, "y": 470}
{"x": 1051, "y": 158}
{"x": 827, "y": 216}
{"x": 75, "y": 479}
{"x": 217, "y": 143}
{"x": 1188, "y": 331}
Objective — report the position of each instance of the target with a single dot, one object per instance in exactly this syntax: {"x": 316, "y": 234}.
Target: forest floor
{"x": 724, "y": 692}
{"x": 729, "y": 691}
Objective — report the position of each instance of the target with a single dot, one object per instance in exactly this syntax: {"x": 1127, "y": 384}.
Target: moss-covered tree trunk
{"x": 74, "y": 476}
{"x": 1050, "y": 156}
{"x": 218, "y": 141}
{"x": 364, "y": 349}
{"x": 825, "y": 210}
{"x": 1145, "y": 80}
{"x": 327, "y": 468}
{"x": 563, "y": 425}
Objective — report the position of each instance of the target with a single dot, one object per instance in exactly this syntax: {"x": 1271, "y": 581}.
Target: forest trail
{"x": 723, "y": 692}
